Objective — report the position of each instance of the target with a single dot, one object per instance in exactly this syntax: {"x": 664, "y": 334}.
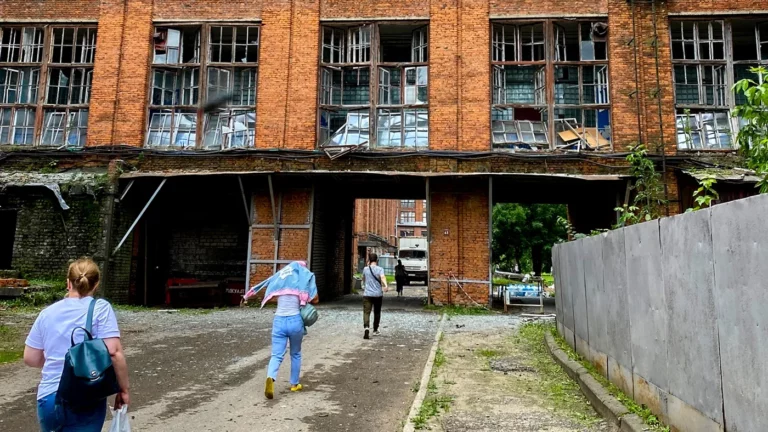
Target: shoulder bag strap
{"x": 88, "y": 324}
{"x": 89, "y": 319}
{"x": 370, "y": 270}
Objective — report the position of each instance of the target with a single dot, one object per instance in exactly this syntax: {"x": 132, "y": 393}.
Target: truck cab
{"x": 412, "y": 251}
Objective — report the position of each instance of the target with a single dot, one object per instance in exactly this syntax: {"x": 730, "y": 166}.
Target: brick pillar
{"x": 105, "y": 73}
{"x": 131, "y": 113}
{"x": 273, "y": 83}
{"x": 301, "y": 115}
{"x": 459, "y": 241}
{"x": 625, "y": 94}
{"x": 443, "y": 91}
{"x": 474, "y": 75}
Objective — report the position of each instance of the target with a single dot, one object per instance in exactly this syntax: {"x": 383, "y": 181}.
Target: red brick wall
{"x": 49, "y": 9}
{"x": 538, "y": 8}
{"x": 443, "y": 72}
{"x": 459, "y": 208}
{"x": 205, "y": 9}
{"x": 378, "y": 9}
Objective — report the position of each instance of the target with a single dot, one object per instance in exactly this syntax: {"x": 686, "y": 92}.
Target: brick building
{"x": 375, "y": 229}
{"x": 412, "y": 218}
{"x": 225, "y": 139}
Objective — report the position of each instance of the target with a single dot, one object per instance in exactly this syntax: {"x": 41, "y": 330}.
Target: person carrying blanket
{"x": 293, "y": 287}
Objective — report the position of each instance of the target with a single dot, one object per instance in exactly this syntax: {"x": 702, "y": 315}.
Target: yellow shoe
{"x": 297, "y": 387}
{"x": 269, "y": 388}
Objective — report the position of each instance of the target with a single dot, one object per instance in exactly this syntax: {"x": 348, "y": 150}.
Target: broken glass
{"x": 229, "y": 129}
{"x": 420, "y": 45}
{"x": 19, "y": 85}
{"x": 704, "y": 130}
{"x": 359, "y": 44}
{"x": 21, "y": 44}
{"x": 354, "y": 132}
{"x": 333, "y": 45}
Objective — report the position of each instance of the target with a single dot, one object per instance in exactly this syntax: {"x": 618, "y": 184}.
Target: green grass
{"x": 559, "y": 391}
{"x": 641, "y": 410}
{"x": 434, "y": 403}
{"x": 11, "y": 344}
{"x": 458, "y": 310}
{"x": 488, "y": 353}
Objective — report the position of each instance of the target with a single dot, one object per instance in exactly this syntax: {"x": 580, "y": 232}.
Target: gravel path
{"x": 205, "y": 372}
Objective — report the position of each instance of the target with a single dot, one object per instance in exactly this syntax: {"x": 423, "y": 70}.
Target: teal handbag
{"x": 88, "y": 375}
{"x": 308, "y": 315}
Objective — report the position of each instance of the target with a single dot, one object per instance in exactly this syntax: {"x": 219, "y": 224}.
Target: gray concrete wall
{"x": 674, "y": 312}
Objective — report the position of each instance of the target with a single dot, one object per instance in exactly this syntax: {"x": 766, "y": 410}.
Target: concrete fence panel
{"x": 740, "y": 244}
{"x": 597, "y": 320}
{"x": 568, "y": 256}
{"x": 559, "y": 286}
{"x": 617, "y": 312}
{"x": 576, "y": 286}
{"x": 693, "y": 363}
{"x": 648, "y": 314}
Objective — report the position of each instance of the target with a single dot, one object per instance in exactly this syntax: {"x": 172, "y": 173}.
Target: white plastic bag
{"x": 120, "y": 422}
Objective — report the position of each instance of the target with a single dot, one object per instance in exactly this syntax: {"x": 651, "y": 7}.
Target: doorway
{"x": 7, "y": 237}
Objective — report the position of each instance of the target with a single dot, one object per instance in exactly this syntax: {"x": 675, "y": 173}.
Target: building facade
{"x": 412, "y": 218}
{"x": 230, "y": 138}
{"x": 375, "y": 229}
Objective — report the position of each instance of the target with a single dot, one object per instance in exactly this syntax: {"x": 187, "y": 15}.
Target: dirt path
{"x": 205, "y": 372}
{"x": 497, "y": 379}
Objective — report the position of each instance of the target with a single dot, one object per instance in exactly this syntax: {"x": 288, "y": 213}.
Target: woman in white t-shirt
{"x": 49, "y": 340}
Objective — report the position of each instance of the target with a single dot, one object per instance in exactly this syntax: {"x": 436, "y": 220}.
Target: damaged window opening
{"x": 379, "y": 69}
{"x": 45, "y": 91}
{"x": 183, "y": 83}
{"x": 708, "y": 57}
{"x": 524, "y": 114}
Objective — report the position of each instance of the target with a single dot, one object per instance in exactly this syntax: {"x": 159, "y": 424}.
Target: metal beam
{"x": 274, "y": 208}
{"x": 133, "y": 225}
{"x": 245, "y": 202}
{"x": 125, "y": 192}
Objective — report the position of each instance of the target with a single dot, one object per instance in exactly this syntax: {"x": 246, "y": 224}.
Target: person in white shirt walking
{"x": 375, "y": 283}
{"x": 49, "y": 340}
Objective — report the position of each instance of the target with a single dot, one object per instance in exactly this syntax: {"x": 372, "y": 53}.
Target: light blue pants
{"x": 285, "y": 329}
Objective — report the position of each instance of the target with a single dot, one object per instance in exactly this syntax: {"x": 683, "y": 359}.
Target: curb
{"x": 602, "y": 401}
{"x": 425, "y": 376}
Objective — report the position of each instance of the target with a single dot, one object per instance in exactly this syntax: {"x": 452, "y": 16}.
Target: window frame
{"x": 47, "y": 55}
{"x": 544, "y": 81}
{"x": 203, "y": 63}
{"x": 377, "y": 101}
{"x": 727, "y": 98}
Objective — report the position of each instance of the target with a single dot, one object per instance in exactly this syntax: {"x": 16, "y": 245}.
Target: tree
{"x": 753, "y": 117}
{"x": 524, "y": 234}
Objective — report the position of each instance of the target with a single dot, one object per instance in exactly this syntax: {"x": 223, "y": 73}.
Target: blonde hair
{"x": 84, "y": 275}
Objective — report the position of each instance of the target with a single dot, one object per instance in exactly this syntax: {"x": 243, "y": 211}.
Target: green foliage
{"x": 753, "y": 115}
{"x": 650, "y": 200}
{"x": 454, "y": 310}
{"x": 44, "y": 293}
{"x": 11, "y": 344}
{"x": 706, "y": 193}
{"x": 524, "y": 234}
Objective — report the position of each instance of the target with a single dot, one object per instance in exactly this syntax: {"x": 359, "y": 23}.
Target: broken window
{"x": 69, "y": 86}
{"x": 583, "y": 128}
{"x": 21, "y": 44}
{"x": 521, "y": 98}
{"x": 73, "y": 45}
{"x": 707, "y": 130}
{"x": 39, "y": 84}
{"x": 390, "y": 70}
{"x": 61, "y": 126}
{"x": 17, "y": 126}
{"x": 211, "y": 110}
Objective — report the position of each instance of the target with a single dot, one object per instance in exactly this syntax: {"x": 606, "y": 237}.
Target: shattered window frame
{"x": 524, "y": 81}
{"x": 213, "y": 69}
{"x": 46, "y": 74}
{"x": 395, "y": 91}
{"x": 704, "y": 68}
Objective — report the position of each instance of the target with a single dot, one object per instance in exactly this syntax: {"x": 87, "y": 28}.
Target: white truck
{"x": 412, "y": 251}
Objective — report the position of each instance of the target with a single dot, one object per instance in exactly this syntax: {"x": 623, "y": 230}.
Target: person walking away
{"x": 291, "y": 288}
{"x": 400, "y": 277}
{"x": 375, "y": 286}
{"x": 49, "y": 341}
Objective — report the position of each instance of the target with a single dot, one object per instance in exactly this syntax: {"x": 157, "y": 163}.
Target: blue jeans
{"x": 285, "y": 329}
{"x": 56, "y": 417}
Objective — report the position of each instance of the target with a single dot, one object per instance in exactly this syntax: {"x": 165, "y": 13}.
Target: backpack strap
{"x": 89, "y": 318}
{"x": 378, "y": 282}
